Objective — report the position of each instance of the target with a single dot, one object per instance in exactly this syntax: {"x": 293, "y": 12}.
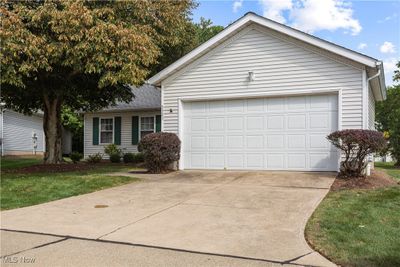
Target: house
{"x": 124, "y": 123}
{"x": 258, "y": 95}
{"x": 23, "y": 135}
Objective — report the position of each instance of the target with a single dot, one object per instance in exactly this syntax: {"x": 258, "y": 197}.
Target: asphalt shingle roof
{"x": 146, "y": 97}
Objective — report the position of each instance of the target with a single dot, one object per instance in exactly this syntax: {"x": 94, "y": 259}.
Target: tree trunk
{"x": 52, "y": 130}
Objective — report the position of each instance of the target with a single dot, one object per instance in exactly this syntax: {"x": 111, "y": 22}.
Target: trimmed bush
{"x": 160, "y": 150}
{"x": 115, "y": 158}
{"x": 76, "y": 157}
{"x": 95, "y": 158}
{"x": 112, "y": 149}
{"x": 356, "y": 145}
{"x": 138, "y": 158}
{"x": 128, "y": 157}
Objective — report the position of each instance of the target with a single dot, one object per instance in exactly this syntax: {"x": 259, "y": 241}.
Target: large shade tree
{"x": 81, "y": 54}
{"x": 388, "y": 116}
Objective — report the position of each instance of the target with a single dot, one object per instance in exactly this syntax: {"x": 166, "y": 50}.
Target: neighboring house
{"x": 123, "y": 124}
{"x": 261, "y": 95}
{"x": 23, "y": 135}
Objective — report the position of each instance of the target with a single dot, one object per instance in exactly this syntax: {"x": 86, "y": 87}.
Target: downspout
{"x": 370, "y": 158}
{"x": 2, "y": 109}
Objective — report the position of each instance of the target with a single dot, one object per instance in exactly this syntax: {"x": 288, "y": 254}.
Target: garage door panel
{"x": 255, "y": 123}
{"x": 297, "y": 122}
{"x": 296, "y": 141}
{"x": 275, "y": 104}
{"x": 235, "y": 141}
{"x": 235, "y": 106}
{"x": 235, "y": 123}
{"x": 275, "y": 161}
{"x": 275, "y": 142}
{"x": 297, "y": 161}
{"x": 216, "y": 160}
{"x": 255, "y": 141}
{"x": 297, "y": 103}
{"x": 275, "y": 122}
{"x": 282, "y": 133}
{"x": 235, "y": 161}
{"x": 255, "y": 161}
{"x": 216, "y": 142}
{"x": 216, "y": 124}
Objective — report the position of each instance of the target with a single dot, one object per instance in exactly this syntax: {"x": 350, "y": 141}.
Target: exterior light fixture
{"x": 252, "y": 76}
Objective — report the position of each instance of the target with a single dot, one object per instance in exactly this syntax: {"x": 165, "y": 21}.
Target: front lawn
{"x": 21, "y": 189}
{"x": 389, "y": 168}
{"x": 358, "y": 227}
{"x": 14, "y": 162}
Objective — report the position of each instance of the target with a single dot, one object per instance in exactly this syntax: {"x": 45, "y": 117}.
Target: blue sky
{"x": 369, "y": 27}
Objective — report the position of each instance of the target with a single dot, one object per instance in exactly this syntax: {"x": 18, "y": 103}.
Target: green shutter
{"x": 135, "y": 130}
{"x": 95, "y": 131}
{"x": 158, "y": 123}
{"x": 117, "y": 130}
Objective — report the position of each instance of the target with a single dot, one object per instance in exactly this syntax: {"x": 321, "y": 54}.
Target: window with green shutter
{"x": 158, "y": 123}
{"x": 135, "y": 130}
{"x": 95, "y": 131}
{"x": 117, "y": 130}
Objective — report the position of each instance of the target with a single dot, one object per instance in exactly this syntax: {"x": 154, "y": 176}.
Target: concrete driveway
{"x": 220, "y": 217}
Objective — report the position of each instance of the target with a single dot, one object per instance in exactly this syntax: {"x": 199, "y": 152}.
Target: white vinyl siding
{"x": 280, "y": 65}
{"x": 126, "y": 130}
{"x": 18, "y": 131}
{"x": 371, "y": 110}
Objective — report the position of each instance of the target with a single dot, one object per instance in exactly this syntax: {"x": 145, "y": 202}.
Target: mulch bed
{"x": 377, "y": 179}
{"x": 63, "y": 167}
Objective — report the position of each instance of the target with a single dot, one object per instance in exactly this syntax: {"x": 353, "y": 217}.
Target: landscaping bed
{"x": 358, "y": 222}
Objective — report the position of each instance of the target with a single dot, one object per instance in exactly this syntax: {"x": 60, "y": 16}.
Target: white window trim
{"x": 140, "y": 124}
{"x": 113, "y": 130}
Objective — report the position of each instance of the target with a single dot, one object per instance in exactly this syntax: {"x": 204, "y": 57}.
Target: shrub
{"x": 138, "y": 158}
{"x": 112, "y": 149}
{"x": 95, "y": 158}
{"x": 76, "y": 157}
{"x": 115, "y": 158}
{"x": 356, "y": 145}
{"x": 160, "y": 150}
{"x": 128, "y": 157}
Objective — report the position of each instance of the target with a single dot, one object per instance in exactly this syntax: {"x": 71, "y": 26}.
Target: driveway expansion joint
{"x": 64, "y": 238}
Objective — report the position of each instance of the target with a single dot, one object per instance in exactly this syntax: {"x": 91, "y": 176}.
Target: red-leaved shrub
{"x": 356, "y": 145}
{"x": 160, "y": 150}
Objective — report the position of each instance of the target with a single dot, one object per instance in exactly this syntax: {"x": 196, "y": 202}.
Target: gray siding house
{"x": 260, "y": 96}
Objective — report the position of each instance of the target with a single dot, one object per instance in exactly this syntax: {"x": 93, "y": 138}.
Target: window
{"x": 106, "y": 131}
{"x": 146, "y": 126}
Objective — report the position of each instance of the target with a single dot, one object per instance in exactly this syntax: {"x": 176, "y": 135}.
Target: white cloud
{"x": 313, "y": 15}
{"x": 389, "y": 66}
{"x": 361, "y": 46}
{"x": 273, "y": 9}
{"x": 237, "y": 5}
{"x": 387, "y": 47}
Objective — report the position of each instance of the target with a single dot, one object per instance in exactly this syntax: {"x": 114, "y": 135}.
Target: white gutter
{"x": 377, "y": 74}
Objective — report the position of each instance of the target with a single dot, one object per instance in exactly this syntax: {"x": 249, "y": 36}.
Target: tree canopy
{"x": 388, "y": 116}
{"x": 81, "y": 54}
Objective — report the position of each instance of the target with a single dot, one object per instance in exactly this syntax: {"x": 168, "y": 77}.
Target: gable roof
{"x": 147, "y": 97}
{"x": 251, "y": 17}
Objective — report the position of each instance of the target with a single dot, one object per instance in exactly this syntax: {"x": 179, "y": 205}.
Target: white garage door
{"x": 285, "y": 133}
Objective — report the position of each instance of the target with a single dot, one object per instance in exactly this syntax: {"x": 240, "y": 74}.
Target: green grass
{"x": 21, "y": 190}
{"x": 15, "y": 162}
{"x": 389, "y": 168}
{"x": 358, "y": 227}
